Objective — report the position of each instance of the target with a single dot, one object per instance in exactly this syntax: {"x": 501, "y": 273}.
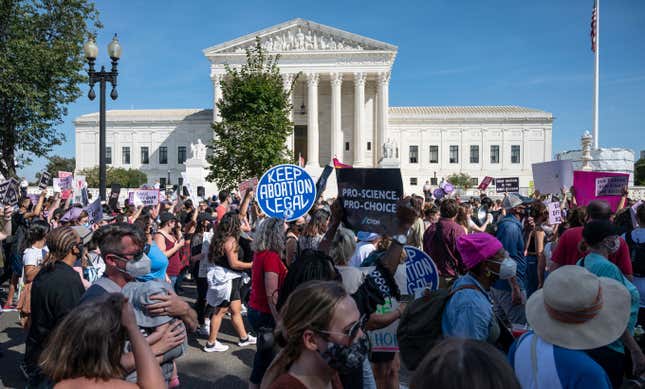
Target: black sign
{"x": 44, "y": 180}
{"x": 321, "y": 184}
{"x": 10, "y": 191}
{"x": 508, "y": 185}
{"x": 113, "y": 201}
{"x": 369, "y": 198}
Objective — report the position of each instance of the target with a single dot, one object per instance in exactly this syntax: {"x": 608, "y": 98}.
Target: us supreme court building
{"x": 340, "y": 109}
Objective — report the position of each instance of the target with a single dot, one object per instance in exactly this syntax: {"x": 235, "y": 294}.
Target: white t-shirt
{"x": 34, "y": 256}
{"x": 352, "y": 278}
{"x": 362, "y": 251}
{"x": 203, "y": 263}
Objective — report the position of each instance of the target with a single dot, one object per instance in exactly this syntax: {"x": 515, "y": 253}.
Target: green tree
{"x": 255, "y": 123}
{"x": 127, "y": 178}
{"x": 460, "y": 180}
{"x": 60, "y": 164}
{"x": 41, "y": 59}
{"x": 639, "y": 172}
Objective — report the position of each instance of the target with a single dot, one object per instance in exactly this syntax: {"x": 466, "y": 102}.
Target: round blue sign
{"x": 286, "y": 192}
{"x": 421, "y": 272}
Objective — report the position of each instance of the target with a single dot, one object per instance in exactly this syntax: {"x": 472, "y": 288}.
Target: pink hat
{"x": 476, "y": 248}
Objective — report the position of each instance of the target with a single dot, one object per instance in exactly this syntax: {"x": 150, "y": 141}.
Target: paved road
{"x": 197, "y": 369}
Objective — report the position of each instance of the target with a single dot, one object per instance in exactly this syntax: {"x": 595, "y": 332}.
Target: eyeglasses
{"x": 352, "y": 331}
{"x": 124, "y": 257}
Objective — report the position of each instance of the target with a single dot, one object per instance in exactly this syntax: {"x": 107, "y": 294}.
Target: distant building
{"x": 341, "y": 109}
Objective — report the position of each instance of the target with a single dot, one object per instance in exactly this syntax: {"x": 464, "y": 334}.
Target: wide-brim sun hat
{"x": 578, "y": 310}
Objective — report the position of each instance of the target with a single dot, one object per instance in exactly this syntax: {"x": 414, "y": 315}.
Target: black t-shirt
{"x": 54, "y": 293}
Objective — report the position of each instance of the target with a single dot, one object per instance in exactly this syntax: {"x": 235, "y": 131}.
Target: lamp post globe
{"x": 90, "y": 49}
{"x": 114, "y": 48}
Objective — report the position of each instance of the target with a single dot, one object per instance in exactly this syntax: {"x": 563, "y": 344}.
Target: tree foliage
{"x": 639, "y": 172}
{"x": 127, "y": 178}
{"x": 60, "y": 164}
{"x": 255, "y": 123}
{"x": 460, "y": 180}
{"x": 41, "y": 59}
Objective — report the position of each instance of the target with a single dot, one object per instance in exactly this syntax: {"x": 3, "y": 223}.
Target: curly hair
{"x": 228, "y": 227}
{"x": 270, "y": 235}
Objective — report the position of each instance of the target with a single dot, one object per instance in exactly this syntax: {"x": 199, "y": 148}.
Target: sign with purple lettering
{"x": 421, "y": 272}
{"x": 369, "y": 198}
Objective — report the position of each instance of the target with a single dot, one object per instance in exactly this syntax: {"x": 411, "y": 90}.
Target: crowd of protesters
{"x": 524, "y": 303}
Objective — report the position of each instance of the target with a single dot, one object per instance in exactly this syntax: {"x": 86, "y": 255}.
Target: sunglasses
{"x": 351, "y": 331}
{"x": 124, "y": 257}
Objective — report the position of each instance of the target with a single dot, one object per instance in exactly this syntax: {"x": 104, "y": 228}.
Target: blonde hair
{"x": 310, "y": 307}
{"x": 343, "y": 246}
{"x": 270, "y": 236}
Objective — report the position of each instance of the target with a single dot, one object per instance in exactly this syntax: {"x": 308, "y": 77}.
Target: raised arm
{"x": 39, "y": 206}
{"x": 6, "y": 220}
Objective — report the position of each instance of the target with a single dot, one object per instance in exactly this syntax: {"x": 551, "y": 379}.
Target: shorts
{"x": 236, "y": 286}
{"x": 16, "y": 264}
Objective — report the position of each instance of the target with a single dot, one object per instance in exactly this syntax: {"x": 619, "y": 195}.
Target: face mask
{"x": 507, "y": 269}
{"x": 137, "y": 268}
{"x": 613, "y": 245}
{"x": 346, "y": 358}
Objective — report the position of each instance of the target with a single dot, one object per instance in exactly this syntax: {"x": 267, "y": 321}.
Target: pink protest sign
{"x": 587, "y": 184}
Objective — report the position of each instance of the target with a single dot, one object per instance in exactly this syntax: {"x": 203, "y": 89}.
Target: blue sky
{"x": 469, "y": 52}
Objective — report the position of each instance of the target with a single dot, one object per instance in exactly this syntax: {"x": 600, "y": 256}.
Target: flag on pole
{"x": 594, "y": 24}
{"x": 340, "y": 165}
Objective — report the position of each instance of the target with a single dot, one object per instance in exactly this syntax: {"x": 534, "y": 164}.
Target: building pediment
{"x": 298, "y": 36}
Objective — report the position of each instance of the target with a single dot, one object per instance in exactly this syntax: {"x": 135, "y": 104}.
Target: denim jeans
{"x": 262, "y": 358}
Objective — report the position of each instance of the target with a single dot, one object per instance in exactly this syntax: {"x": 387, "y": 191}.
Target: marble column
{"x": 312, "y": 120}
{"x": 287, "y": 80}
{"x": 336, "y": 118}
{"x": 217, "y": 95}
{"x": 383, "y": 91}
{"x": 359, "y": 108}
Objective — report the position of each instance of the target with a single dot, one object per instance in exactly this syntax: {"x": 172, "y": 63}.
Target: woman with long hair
{"x": 268, "y": 273}
{"x": 536, "y": 239}
{"x": 91, "y": 358}
{"x": 321, "y": 334}
{"x": 314, "y": 230}
{"x": 32, "y": 258}
{"x": 170, "y": 245}
{"x": 225, "y": 279}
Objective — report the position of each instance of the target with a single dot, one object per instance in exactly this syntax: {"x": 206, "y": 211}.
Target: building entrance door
{"x": 300, "y": 142}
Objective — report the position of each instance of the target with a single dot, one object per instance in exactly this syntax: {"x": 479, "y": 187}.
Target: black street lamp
{"x": 102, "y": 77}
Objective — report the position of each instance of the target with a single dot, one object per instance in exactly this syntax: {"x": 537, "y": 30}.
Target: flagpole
{"x": 596, "y": 78}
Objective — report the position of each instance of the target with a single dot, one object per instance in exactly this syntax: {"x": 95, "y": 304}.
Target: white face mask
{"x": 507, "y": 269}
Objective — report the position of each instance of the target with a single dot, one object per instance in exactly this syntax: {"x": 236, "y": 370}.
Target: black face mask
{"x": 343, "y": 358}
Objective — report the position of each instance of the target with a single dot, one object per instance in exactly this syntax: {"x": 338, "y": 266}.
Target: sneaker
{"x": 217, "y": 346}
{"x": 250, "y": 340}
{"x": 243, "y": 311}
{"x": 203, "y": 330}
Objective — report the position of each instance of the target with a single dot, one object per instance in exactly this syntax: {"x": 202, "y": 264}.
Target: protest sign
{"x": 189, "y": 189}
{"x": 550, "y": 177}
{"x": 10, "y": 191}
{"x": 421, "y": 272}
{"x": 369, "y": 198}
{"x": 632, "y": 211}
{"x": 321, "y": 184}
{"x": 113, "y": 201}
{"x": 555, "y": 213}
{"x": 66, "y": 184}
{"x": 286, "y": 192}
{"x": 246, "y": 185}
{"x": 44, "y": 180}
{"x": 585, "y": 186}
{"x": 507, "y": 185}
{"x": 611, "y": 186}
{"x": 144, "y": 197}
{"x": 485, "y": 182}
{"x": 56, "y": 185}
{"x": 94, "y": 211}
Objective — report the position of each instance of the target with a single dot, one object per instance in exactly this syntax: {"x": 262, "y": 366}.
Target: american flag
{"x": 594, "y": 21}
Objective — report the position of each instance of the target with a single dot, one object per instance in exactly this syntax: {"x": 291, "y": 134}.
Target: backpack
{"x": 637, "y": 254}
{"x": 420, "y": 325}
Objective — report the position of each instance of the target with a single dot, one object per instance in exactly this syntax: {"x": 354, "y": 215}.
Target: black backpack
{"x": 637, "y": 254}
{"x": 420, "y": 325}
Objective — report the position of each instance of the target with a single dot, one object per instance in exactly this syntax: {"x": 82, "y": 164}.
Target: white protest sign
{"x": 144, "y": 197}
{"x": 192, "y": 193}
{"x": 550, "y": 177}
{"x": 56, "y": 185}
{"x": 94, "y": 211}
{"x": 555, "y": 213}
{"x": 611, "y": 186}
